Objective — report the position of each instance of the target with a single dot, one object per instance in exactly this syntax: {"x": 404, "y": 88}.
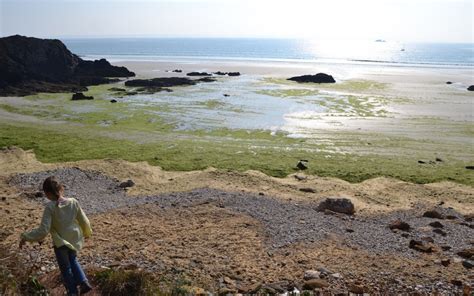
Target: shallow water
{"x": 255, "y": 104}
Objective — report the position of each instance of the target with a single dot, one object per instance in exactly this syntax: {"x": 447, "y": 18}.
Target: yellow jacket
{"x": 66, "y": 222}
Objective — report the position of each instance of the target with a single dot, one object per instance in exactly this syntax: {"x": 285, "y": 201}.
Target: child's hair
{"x": 51, "y": 185}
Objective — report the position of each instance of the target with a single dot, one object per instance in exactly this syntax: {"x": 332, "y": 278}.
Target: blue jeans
{"x": 71, "y": 270}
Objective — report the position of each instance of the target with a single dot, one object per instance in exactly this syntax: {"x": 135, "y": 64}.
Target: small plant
{"x": 34, "y": 287}
{"x": 125, "y": 283}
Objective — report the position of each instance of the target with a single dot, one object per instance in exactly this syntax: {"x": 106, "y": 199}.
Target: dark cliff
{"x": 30, "y": 65}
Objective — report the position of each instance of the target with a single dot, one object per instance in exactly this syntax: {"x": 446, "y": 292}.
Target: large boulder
{"x": 29, "y": 65}
{"x": 470, "y": 88}
{"x": 318, "y": 78}
{"x": 338, "y": 205}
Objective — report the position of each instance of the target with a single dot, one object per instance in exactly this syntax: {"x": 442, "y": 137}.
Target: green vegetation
{"x": 126, "y": 283}
{"x": 138, "y": 131}
{"x": 273, "y": 155}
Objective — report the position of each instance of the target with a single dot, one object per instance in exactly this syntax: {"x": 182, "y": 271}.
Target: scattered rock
{"x": 126, "y": 184}
{"x": 433, "y": 214}
{"x": 226, "y": 95}
{"x": 198, "y": 74}
{"x": 457, "y": 283}
{"x": 438, "y": 159}
{"x": 336, "y": 276}
{"x": 300, "y": 177}
{"x": 226, "y": 291}
{"x": 81, "y": 96}
{"x": 466, "y": 253}
{"x": 446, "y": 248}
{"x": 251, "y": 289}
{"x": 449, "y": 82}
{"x": 318, "y": 78}
{"x": 160, "y": 82}
{"x": 436, "y": 224}
{"x": 469, "y": 217}
{"x": 421, "y": 161}
{"x": 324, "y": 271}
{"x": 206, "y": 79}
{"x": 445, "y": 262}
{"x": 427, "y": 239}
{"x": 308, "y": 190}
{"x": 468, "y": 264}
{"x": 398, "y": 224}
{"x": 440, "y": 232}
{"x": 311, "y": 274}
{"x": 302, "y": 164}
{"x": 470, "y": 167}
{"x": 113, "y": 101}
{"x": 470, "y": 88}
{"x": 39, "y": 194}
{"x": 315, "y": 284}
{"x": 233, "y": 74}
{"x": 338, "y": 205}
{"x": 420, "y": 246}
{"x": 220, "y": 73}
{"x": 117, "y": 89}
{"x": 177, "y": 71}
{"x": 357, "y": 289}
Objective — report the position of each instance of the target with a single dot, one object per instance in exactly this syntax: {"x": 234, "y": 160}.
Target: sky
{"x": 395, "y": 20}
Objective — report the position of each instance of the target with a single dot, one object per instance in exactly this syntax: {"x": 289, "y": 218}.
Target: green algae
{"x": 199, "y": 152}
{"x": 346, "y": 85}
{"x": 285, "y": 93}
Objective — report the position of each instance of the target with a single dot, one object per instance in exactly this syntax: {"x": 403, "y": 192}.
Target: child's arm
{"x": 42, "y": 231}
{"x": 83, "y": 222}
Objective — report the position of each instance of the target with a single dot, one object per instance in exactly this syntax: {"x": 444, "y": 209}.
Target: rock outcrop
{"x": 80, "y": 96}
{"x": 30, "y": 65}
{"x": 338, "y": 205}
{"x": 318, "y": 78}
{"x": 199, "y": 74}
{"x": 161, "y": 82}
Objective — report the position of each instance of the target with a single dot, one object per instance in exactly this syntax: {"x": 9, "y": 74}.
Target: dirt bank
{"x": 225, "y": 230}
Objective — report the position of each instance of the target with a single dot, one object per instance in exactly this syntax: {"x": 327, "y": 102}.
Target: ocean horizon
{"x": 286, "y": 50}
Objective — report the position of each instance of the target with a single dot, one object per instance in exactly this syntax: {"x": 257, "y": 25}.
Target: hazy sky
{"x": 401, "y": 20}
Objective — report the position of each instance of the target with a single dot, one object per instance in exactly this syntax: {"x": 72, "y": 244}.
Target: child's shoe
{"x": 85, "y": 287}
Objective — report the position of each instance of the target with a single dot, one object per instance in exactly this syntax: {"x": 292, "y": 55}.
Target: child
{"x": 68, "y": 225}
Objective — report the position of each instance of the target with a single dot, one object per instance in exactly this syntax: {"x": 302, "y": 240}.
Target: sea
{"x": 367, "y": 51}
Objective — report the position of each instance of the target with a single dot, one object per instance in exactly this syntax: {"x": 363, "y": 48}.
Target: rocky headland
{"x": 31, "y": 65}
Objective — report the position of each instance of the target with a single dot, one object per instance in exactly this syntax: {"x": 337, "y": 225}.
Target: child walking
{"x": 68, "y": 225}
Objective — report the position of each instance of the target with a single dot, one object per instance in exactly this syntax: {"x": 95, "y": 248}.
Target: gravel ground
{"x": 284, "y": 222}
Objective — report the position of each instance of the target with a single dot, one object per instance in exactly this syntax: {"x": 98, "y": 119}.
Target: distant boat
{"x": 379, "y": 40}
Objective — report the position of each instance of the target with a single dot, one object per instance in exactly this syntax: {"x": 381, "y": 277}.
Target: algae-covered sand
{"x": 359, "y": 128}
